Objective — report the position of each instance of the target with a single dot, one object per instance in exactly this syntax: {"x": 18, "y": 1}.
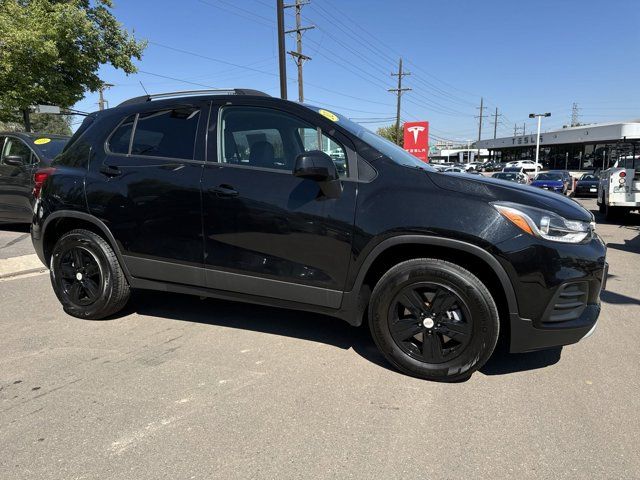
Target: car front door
{"x": 146, "y": 189}
{"x": 17, "y": 164}
{"x": 267, "y": 232}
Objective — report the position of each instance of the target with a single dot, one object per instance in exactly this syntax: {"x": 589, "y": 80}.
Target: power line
{"x": 234, "y": 9}
{"x": 265, "y": 72}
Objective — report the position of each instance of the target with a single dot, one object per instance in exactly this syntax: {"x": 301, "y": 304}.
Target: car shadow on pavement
{"x": 607, "y": 296}
{"x": 276, "y": 321}
{"x": 15, "y": 227}
{"x": 305, "y": 326}
{"x": 502, "y": 362}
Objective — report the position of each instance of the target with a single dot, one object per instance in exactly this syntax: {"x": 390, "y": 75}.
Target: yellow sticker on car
{"x": 329, "y": 115}
{"x": 42, "y": 141}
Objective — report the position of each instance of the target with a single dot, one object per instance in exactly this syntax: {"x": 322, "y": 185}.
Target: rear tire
{"x": 613, "y": 213}
{"x": 87, "y": 277}
{"x": 433, "y": 319}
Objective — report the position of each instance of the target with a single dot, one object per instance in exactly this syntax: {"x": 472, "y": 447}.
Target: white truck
{"x": 619, "y": 189}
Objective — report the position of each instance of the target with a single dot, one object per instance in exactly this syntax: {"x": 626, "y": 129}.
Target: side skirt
{"x": 347, "y": 315}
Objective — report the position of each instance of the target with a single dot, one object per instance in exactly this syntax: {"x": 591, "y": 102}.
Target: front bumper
{"x": 586, "y": 191}
{"x": 525, "y": 337}
{"x": 551, "y": 188}
{"x": 557, "y": 289}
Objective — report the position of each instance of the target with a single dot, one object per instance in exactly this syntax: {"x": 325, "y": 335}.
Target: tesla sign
{"x": 416, "y": 139}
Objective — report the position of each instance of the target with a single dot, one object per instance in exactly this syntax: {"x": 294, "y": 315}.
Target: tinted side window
{"x": 14, "y": 146}
{"x": 266, "y": 138}
{"x": 75, "y": 156}
{"x": 166, "y": 133}
{"x": 338, "y": 154}
{"x": 121, "y": 137}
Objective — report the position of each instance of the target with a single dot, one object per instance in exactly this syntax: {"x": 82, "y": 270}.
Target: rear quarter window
{"x": 166, "y": 133}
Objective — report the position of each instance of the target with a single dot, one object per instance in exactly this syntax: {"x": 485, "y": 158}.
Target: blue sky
{"x": 521, "y": 56}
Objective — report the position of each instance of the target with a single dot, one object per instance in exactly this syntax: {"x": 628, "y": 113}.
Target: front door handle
{"x": 225, "y": 191}
{"x": 110, "y": 171}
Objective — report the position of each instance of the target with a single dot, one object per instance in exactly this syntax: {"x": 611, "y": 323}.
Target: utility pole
{"x": 524, "y": 128}
{"x": 481, "y": 108}
{"x": 515, "y": 130}
{"x": 495, "y": 123}
{"x": 101, "y": 100}
{"x": 399, "y": 92}
{"x": 575, "y": 115}
{"x": 282, "y": 62}
{"x": 298, "y": 56}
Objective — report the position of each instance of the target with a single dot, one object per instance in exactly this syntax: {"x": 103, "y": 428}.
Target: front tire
{"x": 433, "y": 319}
{"x": 87, "y": 277}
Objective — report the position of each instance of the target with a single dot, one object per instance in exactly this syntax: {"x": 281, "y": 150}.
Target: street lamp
{"x": 539, "y": 115}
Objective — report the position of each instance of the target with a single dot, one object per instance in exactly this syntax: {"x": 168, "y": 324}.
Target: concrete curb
{"x": 11, "y": 267}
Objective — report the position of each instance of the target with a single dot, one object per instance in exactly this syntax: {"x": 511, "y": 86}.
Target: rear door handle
{"x": 110, "y": 171}
{"x": 225, "y": 191}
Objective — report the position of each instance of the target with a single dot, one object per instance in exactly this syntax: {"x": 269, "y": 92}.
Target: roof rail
{"x": 185, "y": 93}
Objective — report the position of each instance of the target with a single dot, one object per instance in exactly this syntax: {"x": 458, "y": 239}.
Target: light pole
{"x": 539, "y": 115}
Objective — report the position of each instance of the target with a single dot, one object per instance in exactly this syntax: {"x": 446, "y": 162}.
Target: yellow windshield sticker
{"x": 329, "y": 115}
{"x": 42, "y": 141}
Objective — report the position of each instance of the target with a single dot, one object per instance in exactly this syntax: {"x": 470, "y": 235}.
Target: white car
{"x": 527, "y": 165}
{"x": 472, "y": 166}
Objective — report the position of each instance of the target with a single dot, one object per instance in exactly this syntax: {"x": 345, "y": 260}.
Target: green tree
{"x": 42, "y": 123}
{"x": 390, "y": 134}
{"x": 51, "y": 50}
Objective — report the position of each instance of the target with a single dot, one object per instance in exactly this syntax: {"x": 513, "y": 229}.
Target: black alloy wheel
{"x": 80, "y": 276}
{"x": 86, "y": 275}
{"x": 430, "y": 322}
{"x": 433, "y": 319}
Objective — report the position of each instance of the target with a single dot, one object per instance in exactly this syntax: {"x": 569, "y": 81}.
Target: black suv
{"x": 237, "y": 195}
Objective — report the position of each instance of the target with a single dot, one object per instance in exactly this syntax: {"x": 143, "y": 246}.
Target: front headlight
{"x": 545, "y": 224}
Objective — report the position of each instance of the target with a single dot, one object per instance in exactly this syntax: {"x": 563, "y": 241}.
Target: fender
{"x": 58, "y": 214}
{"x": 466, "y": 247}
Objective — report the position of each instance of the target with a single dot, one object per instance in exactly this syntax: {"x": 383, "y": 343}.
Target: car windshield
{"x": 506, "y": 176}
{"x": 382, "y": 145}
{"x": 549, "y": 176}
{"x": 52, "y": 148}
{"x": 589, "y": 177}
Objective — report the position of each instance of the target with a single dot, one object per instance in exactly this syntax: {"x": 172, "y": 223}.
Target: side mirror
{"x": 15, "y": 160}
{"x": 318, "y": 166}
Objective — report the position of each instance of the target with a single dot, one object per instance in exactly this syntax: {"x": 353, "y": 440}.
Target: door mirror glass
{"x": 15, "y": 160}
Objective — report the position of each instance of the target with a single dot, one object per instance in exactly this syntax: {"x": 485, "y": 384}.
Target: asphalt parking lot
{"x": 180, "y": 387}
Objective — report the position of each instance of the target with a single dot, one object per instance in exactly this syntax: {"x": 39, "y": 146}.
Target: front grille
{"x": 568, "y": 303}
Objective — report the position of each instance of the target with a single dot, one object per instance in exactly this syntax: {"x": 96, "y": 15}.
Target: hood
{"x": 547, "y": 183}
{"x": 491, "y": 190}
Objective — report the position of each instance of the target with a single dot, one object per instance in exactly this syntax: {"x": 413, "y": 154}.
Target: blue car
{"x": 553, "y": 181}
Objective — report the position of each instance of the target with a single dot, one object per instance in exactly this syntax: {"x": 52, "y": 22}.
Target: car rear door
{"x": 146, "y": 189}
{"x": 267, "y": 232}
{"x": 16, "y": 183}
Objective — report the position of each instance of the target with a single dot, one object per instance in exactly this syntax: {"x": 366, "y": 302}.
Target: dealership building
{"x": 585, "y": 147}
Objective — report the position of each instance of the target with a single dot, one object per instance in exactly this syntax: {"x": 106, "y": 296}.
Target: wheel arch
{"x": 63, "y": 221}
{"x": 404, "y": 247}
